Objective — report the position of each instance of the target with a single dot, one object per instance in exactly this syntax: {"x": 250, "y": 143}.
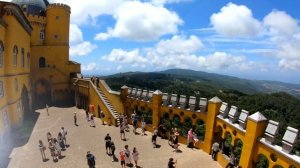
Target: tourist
{"x": 121, "y": 117}
{"x": 231, "y": 162}
{"x": 135, "y": 123}
{"x": 143, "y": 125}
{"x": 135, "y": 156}
{"x": 163, "y": 132}
{"x": 57, "y": 147}
{"x": 75, "y": 119}
{"x": 90, "y": 160}
{"x": 154, "y": 136}
{"x": 92, "y": 121}
{"x": 52, "y": 151}
{"x": 49, "y": 137}
{"x": 215, "y": 150}
{"x": 175, "y": 140}
{"x": 122, "y": 159}
{"x": 126, "y": 123}
{"x": 87, "y": 115}
{"x": 64, "y": 133}
{"x": 127, "y": 155}
{"x": 171, "y": 163}
{"x": 113, "y": 148}
{"x": 47, "y": 109}
{"x": 60, "y": 140}
{"x": 42, "y": 150}
{"x": 108, "y": 144}
{"x": 102, "y": 117}
{"x": 190, "y": 138}
{"x": 122, "y": 131}
{"x": 195, "y": 137}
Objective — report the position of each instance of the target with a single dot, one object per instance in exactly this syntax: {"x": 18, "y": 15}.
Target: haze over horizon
{"x": 247, "y": 39}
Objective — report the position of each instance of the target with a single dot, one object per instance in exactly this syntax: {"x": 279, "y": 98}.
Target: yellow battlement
{"x": 36, "y": 18}
{"x": 59, "y": 5}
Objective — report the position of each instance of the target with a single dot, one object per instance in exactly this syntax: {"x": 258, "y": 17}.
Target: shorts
{"x": 122, "y": 162}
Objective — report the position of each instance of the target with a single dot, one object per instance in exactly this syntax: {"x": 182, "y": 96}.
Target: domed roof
{"x": 32, "y": 6}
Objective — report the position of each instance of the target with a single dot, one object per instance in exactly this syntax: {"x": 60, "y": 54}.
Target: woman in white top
{"x": 42, "y": 150}
{"x": 135, "y": 156}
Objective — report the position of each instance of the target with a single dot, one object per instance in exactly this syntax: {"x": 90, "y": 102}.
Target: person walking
{"x": 215, "y": 150}
{"x": 171, "y": 163}
{"x": 64, "y": 133}
{"x": 47, "y": 109}
{"x": 108, "y": 144}
{"x": 57, "y": 148}
{"x": 154, "y": 136}
{"x": 113, "y": 148}
{"x": 102, "y": 117}
{"x": 90, "y": 160}
{"x": 190, "y": 138}
{"x": 42, "y": 150}
{"x": 122, "y": 159}
{"x": 122, "y": 131}
{"x": 143, "y": 125}
{"x": 135, "y": 156}
{"x": 195, "y": 137}
{"x": 60, "y": 141}
{"x": 125, "y": 121}
{"x": 52, "y": 151}
{"x": 49, "y": 137}
{"x": 175, "y": 140}
{"x": 75, "y": 119}
{"x": 127, "y": 156}
{"x": 92, "y": 121}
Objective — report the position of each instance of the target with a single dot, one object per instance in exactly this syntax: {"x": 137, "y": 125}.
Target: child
{"x": 122, "y": 158}
{"x": 195, "y": 138}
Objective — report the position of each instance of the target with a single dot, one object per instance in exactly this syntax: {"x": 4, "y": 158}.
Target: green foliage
{"x": 262, "y": 162}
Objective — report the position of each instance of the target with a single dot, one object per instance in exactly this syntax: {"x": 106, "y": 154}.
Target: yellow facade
{"x": 35, "y": 69}
{"x": 216, "y": 127}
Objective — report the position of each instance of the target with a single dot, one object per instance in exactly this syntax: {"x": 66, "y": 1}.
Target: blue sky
{"x": 249, "y": 39}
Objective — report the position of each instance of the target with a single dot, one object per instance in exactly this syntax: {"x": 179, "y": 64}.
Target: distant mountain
{"x": 207, "y": 80}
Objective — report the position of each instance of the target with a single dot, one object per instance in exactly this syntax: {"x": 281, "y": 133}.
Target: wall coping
{"x": 235, "y": 125}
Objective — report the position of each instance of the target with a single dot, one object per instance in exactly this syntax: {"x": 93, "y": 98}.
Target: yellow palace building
{"x": 35, "y": 69}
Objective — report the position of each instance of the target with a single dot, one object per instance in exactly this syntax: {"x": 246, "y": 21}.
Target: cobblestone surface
{"x": 84, "y": 138}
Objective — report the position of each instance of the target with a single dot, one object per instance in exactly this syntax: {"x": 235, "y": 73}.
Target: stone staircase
{"x": 110, "y": 106}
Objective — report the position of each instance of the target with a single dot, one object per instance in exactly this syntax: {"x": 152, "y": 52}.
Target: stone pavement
{"x": 85, "y": 138}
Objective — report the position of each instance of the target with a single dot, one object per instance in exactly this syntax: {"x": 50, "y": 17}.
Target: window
{"x": 23, "y": 58}
{"x": 56, "y": 36}
{"x": 42, "y": 35}
{"x": 28, "y": 60}
{"x": 16, "y": 84}
{"x": 1, "y": 89}
{"x": 42, "y": 62}
{"x": 57, "y": 17}
{"x": 5, "y": 119}
{"x": 1, "y": 53}
{"x": 15, "y": 61}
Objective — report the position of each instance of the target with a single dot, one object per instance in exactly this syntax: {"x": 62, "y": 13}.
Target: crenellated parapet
{"x": 59, "y": 5}
{"x": 36, "y": 19}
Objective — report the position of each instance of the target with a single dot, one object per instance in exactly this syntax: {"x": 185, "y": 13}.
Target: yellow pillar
{"x": 256, "y": 125}
{"x": 214, "y": 105}
{"x": 156, "y": 104}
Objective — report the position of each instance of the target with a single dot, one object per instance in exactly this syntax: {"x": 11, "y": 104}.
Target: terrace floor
{"x": 84, "y": 138}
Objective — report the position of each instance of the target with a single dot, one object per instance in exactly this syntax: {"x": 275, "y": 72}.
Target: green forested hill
{"x": 245, "y": 94}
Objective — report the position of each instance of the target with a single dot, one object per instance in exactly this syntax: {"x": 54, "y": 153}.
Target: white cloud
{"x": 89, "y": 67}
{"x": 129, "y": 57}
{"x": 75, "y": 34}
{"x": 119, "y": 67}
{"x": 179, "y": 44}
{"x": 289, "y": 65}
{"x": 162, "y": 2}
{"x": 82, "y": 49}
{"x": 279, "y": 22}
{"x": 141, "y": 21}
{"x": 235, "y": 21}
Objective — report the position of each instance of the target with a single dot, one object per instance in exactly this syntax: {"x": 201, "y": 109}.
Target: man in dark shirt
{"x": 171, "y": 163}
{"x": 90, "y": 160}
{"x": 108, "y": 144}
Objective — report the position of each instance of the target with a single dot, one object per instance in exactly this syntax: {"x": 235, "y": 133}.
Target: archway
{"x": 227, "y": 144}
{"x": 176, "y": 121}
{"x": 186, "y": 126}
{"x": 42, "y": 93}
{"x": 218, "y": 135}
{"x": 200, "y": 129}
{"x": 25, "y": 101}
{"x": 262, "y": 161}
{"x": 237, "y": 149}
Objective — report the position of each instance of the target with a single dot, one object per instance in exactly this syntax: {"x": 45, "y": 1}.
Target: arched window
{"x": 23, "y": 58}
{"x": 15, "y": 55}
{"x": 42, "y": 62}
{"x": 28, "y": 60}
{"x": 42, "y": 35}
{"x": 1, "y": 53}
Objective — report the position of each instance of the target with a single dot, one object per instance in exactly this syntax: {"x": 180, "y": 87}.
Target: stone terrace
{"x": 84, "y": 138}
